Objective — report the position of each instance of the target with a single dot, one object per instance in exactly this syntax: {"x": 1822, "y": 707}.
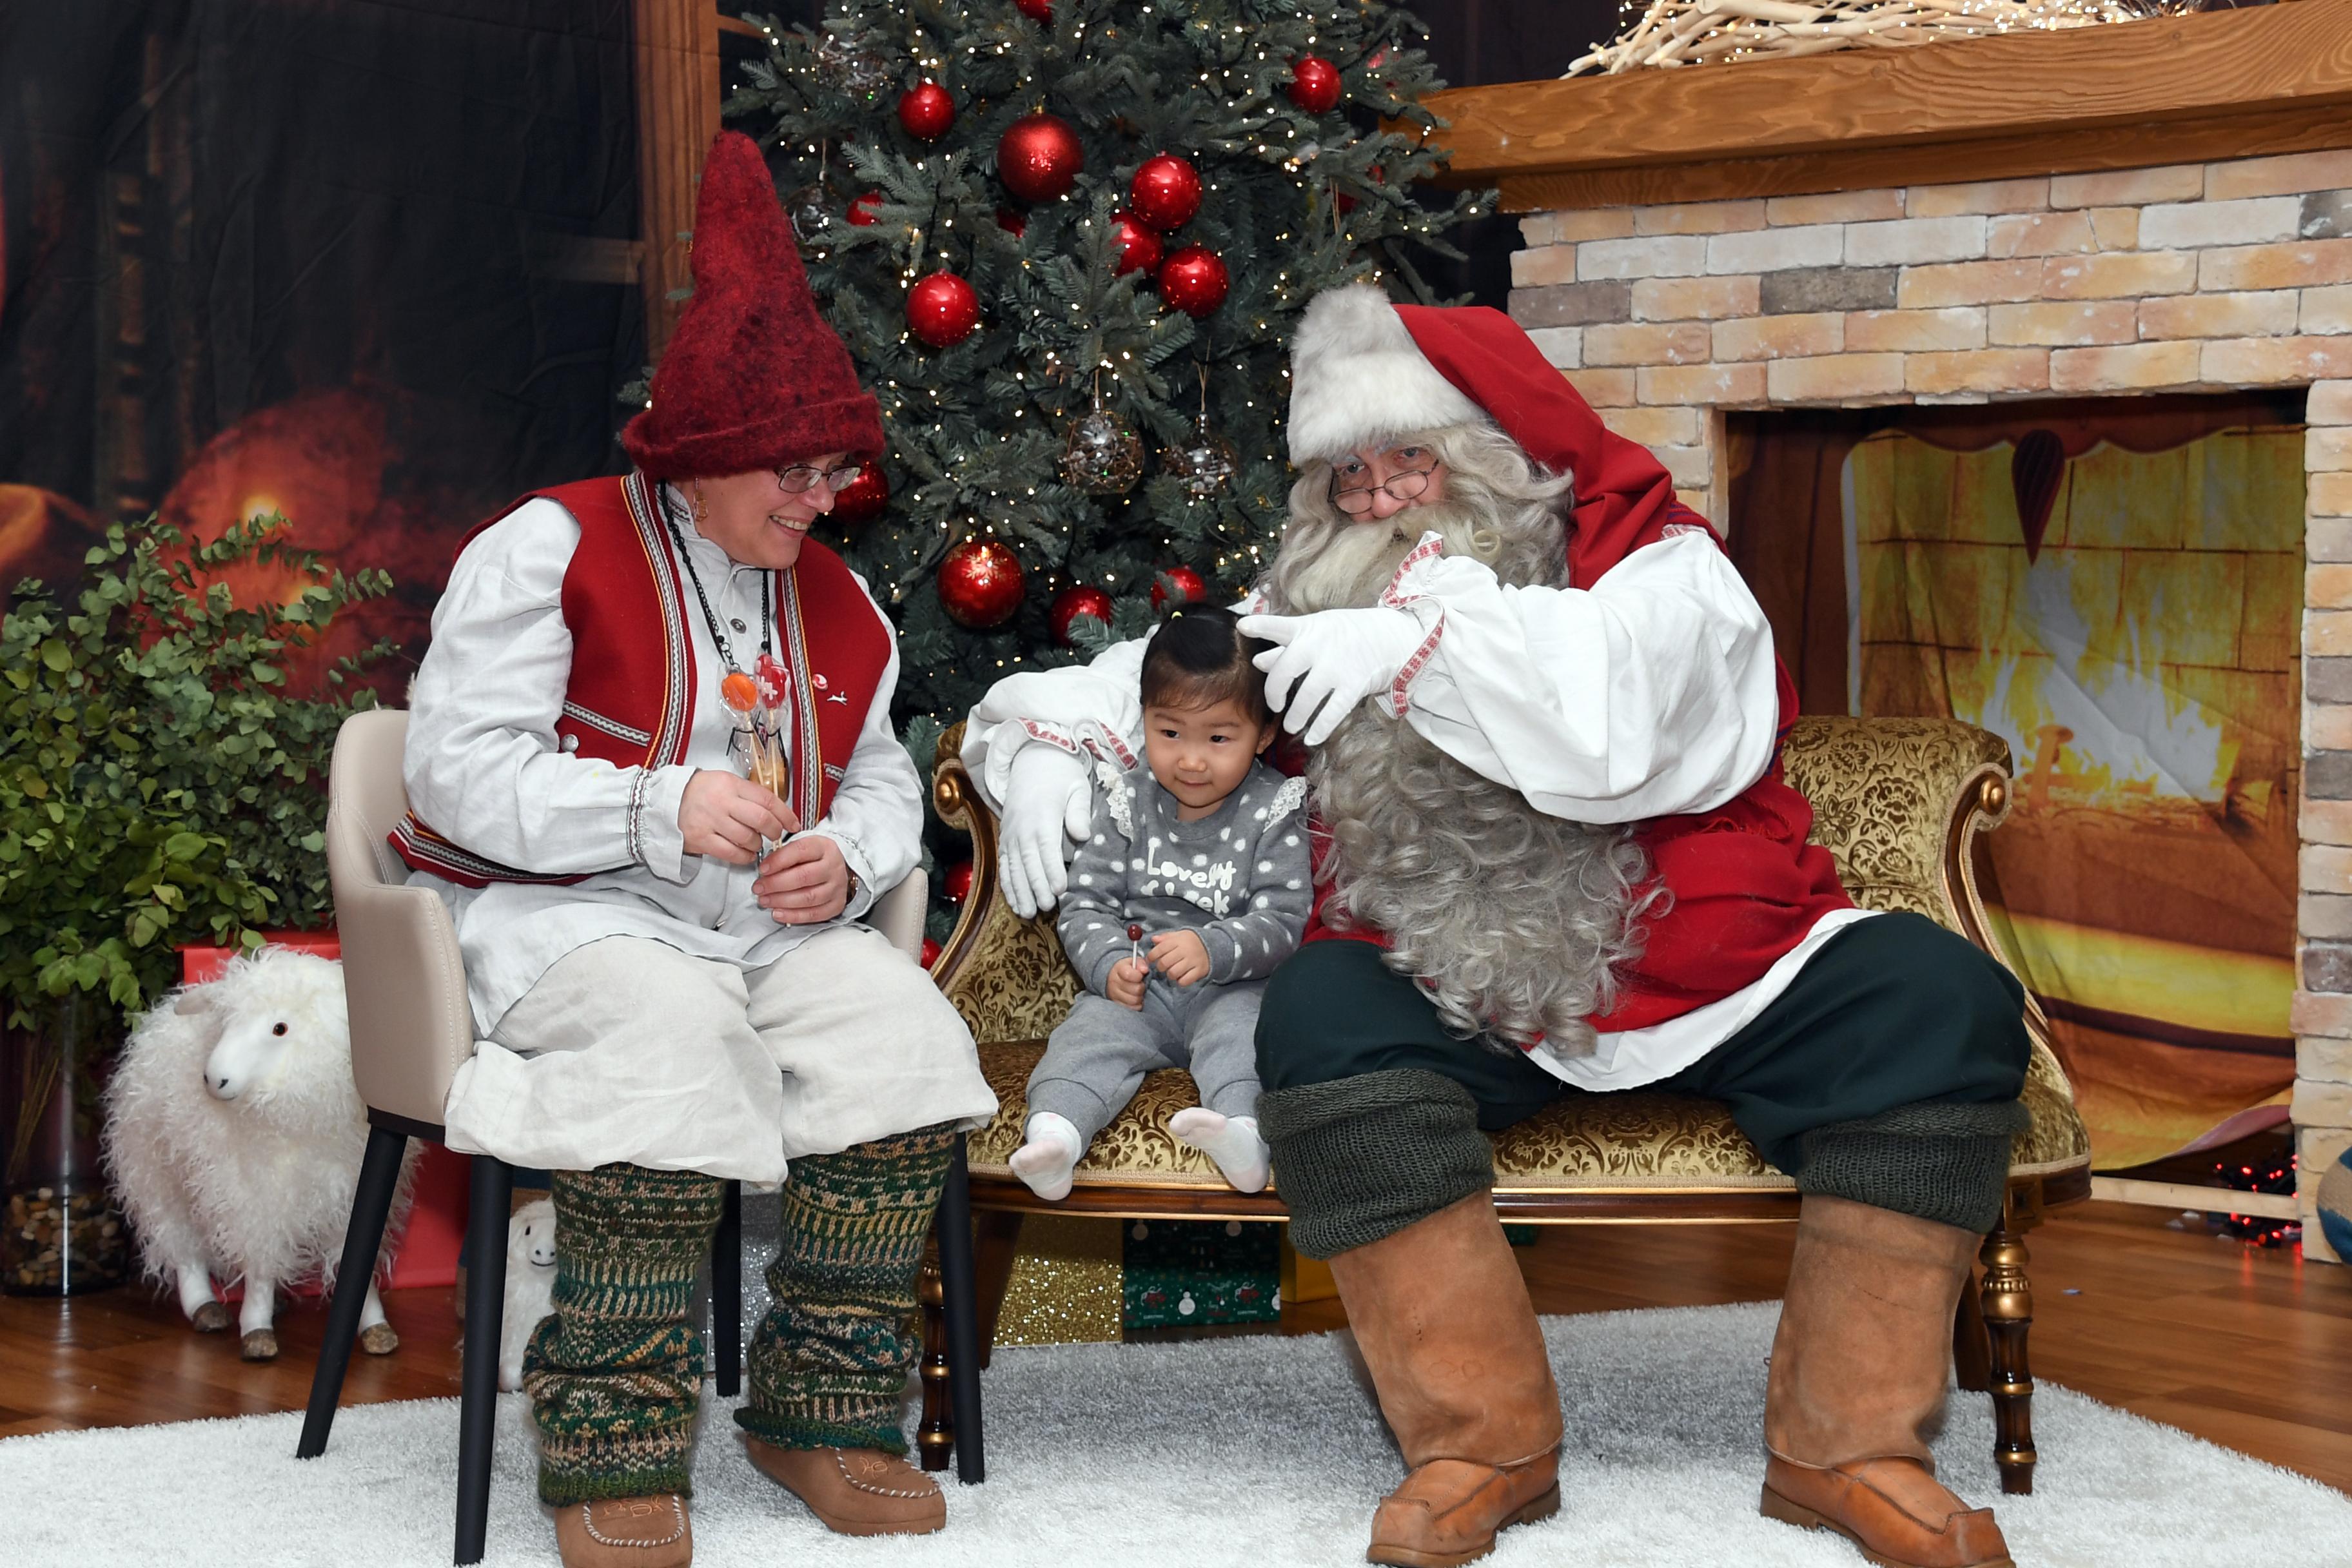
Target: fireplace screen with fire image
{"x": 2115, "y": 588}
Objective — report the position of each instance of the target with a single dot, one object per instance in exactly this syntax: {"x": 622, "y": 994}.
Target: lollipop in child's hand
{"x": 1135, "y": 942}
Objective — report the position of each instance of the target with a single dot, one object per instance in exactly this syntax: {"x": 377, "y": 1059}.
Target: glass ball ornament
{"x": 942, "y": 310}
{"x": 1202, "y": 463}
{"x": 925, "y": 109}
{"x": 1039, "y": 157}
{"x": 981, "y": 584}
{"x": 861, "y": 72}
{"x": 1073, "y": 603}
{"x": 809, "y": 211}
{"x": 1165, "y": 192}
{"x": 1138, "y": 246}
{"x": 864, "y": 497}
{"x": 1187, "y": 584}
{"x": 1194, "y": 281}
{"x": 1101, "y": 454}
{"x": 1314, "y": 84}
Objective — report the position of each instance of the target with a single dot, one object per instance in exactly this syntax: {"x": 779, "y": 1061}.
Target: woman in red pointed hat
{"x": 668, "y": 969}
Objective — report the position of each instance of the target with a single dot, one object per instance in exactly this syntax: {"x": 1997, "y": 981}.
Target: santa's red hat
{"x": 754, "y": 377}
{"x": 1365, "y": 371}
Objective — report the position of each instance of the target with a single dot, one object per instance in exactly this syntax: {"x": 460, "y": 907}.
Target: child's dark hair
{"x": 1199, "y": 658}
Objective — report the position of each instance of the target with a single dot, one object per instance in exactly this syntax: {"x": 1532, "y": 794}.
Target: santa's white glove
{"x": 1331, "y": 661}
{"x": 1048, "y": 805}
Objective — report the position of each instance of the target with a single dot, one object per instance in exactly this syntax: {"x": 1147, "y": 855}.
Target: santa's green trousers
{"x": 615, "y": 1373}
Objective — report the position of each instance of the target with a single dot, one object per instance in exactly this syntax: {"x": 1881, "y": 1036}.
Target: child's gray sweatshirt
{"x": 1238, "y": 876}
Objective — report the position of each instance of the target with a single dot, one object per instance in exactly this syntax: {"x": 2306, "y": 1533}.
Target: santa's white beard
{"x": 1512, "y": 919}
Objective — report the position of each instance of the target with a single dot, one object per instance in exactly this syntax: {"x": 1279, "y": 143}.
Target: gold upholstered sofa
{"x": 1898, "y": 802}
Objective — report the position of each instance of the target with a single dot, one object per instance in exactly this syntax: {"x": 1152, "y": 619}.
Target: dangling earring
{"x": 698, "y": 508}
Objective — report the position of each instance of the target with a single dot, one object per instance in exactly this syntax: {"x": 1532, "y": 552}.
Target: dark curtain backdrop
{"x": 363, "y": 259}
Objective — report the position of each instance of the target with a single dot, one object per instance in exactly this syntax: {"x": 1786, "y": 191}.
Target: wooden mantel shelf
{"x": 2276, "y": 78}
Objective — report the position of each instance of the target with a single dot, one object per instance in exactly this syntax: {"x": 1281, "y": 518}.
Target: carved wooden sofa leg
{"x": 935, "y": 1438}
{"x": 2008, "y": 1308}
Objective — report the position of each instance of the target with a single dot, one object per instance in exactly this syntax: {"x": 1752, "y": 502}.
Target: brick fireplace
{"x": 1832, "y": 268}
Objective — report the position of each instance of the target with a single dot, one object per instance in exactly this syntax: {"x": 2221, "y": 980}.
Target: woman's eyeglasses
{"x": 802, "y": 477}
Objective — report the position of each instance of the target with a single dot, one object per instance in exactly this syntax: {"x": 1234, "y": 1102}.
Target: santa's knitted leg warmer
{"x": 615, "y": 1374}
{"x": 1944, "y": 1161}
{"x": 1358, "y": 1159}
{"x": 829, "y": 1364}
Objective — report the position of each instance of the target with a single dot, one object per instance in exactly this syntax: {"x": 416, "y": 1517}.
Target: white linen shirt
{"x": 485, "y": 769}
{"x": 1652, "y": 693}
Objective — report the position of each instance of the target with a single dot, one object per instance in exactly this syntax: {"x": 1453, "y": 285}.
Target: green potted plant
{"x": 160, "y": 786}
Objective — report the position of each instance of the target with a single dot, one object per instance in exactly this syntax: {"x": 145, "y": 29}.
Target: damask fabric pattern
{"x": 615, "y": 1373}
{"x": 1885, "y": 793}
{"x": 828, "y": 1363}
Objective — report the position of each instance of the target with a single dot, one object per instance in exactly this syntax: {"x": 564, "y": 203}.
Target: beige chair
{"x": 411, "y": 1027}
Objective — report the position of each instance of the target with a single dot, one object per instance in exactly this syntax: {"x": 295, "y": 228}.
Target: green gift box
{"x": 1187, "y": 1273}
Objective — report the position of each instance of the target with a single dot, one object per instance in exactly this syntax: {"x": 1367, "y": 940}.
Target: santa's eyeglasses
{"x": 802, "y": 477}
{"x": 1357, "y": 499}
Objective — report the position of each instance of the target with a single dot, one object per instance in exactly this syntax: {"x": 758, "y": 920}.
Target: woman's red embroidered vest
{"x": 630, "y": 699}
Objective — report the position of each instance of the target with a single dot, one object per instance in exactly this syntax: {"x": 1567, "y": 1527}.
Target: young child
{"x": 1202, "y": 855}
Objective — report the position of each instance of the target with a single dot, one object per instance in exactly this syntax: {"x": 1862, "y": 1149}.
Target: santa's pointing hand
{"x": 1326, "y": 663}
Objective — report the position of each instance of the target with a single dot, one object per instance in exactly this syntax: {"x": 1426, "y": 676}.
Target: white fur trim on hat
{"x": 1357, "y": 377}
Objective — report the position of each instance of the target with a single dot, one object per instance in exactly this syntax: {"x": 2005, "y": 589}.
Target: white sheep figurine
{"x": 531, "y": 1285}
{"x": 235, "y": 1135}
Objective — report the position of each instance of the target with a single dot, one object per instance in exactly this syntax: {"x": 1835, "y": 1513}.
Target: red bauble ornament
{"x": 1188, "y": 582}
{"x": 1194, "y": 280}
{"x": 1166, "y": 192}
{"x": 862, "y": 210}
{"x": 1036, "y": 10}
{"x": 941, "y": 309}
{"x": 980, "y": 584}
{"x": 1038, "y": 157}
{"x": 1314, "y": 84}
{"x": 957, "y": 882}
{"x": 926, "y": 110}
{"x": 1012, "y": 223}
{"x": 930, "y": 950}
{"x": 1137, "y": 246}
{"x": 864, "y": 499}
{"x": 1070, "y": 603}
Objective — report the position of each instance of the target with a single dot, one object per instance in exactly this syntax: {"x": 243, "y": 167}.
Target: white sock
{"x": 1049, "y": 1151}
{"x": 1231, "y": 1141}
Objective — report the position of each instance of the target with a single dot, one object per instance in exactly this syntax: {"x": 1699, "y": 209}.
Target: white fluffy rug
{"x": 1230, "y": 1453}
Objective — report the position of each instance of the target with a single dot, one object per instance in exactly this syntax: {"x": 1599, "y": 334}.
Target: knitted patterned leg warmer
{"x": 829, "y": 1364}
{"x": 615, "y": 1374}
{"x": 1944, "y": 1161}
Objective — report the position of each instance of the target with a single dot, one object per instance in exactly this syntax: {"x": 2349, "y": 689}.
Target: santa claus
{"x": 1555, "y": 856}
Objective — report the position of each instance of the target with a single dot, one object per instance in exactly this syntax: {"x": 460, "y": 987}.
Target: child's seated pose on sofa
{"x": 1191, "y": 885}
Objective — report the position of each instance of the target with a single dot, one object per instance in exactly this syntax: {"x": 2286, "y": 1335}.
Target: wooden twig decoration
{"x": 1698, "y": 32}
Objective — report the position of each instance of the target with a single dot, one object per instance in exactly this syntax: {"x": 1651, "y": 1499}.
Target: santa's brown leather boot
{"x": 626, "y": 1532}
{"x": 1859, "y": 1368}
{"x": 855, "y": 1491}
{"x": 1442, "y": 1316}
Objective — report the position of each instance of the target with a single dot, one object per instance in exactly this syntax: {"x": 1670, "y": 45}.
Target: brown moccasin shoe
{"x": 626, "y": 1532}
{"x": 855, "y": 1491}
{"x": 1894, "y": 1509}
{"x": 1448, "y": 1510}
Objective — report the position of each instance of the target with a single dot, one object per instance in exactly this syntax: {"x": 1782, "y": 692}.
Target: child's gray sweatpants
{"x": 1095, "y": 1062}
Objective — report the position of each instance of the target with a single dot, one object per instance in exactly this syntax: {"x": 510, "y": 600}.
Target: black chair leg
{"x": 486, "y": 1296}
{"x": 727, "y": 1290}
{"x": 371, "y": 1204}
{"x": 959, "y": 1283}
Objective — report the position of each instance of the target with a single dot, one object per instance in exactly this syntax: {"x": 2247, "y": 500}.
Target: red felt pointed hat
{"x": 754, "y": 378}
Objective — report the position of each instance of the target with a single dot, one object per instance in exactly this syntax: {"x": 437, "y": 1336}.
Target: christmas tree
{"x": 1066, "y": 242}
